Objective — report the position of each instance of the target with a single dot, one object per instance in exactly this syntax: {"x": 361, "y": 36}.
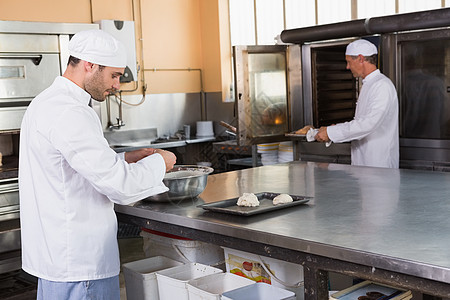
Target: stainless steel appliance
{"x": 421, "y": 74}
{"x": 28, "y": 64}
{"x": 266, "y": 92}
{"x": 31, "y": 56}
{"x": 414, "y": 53}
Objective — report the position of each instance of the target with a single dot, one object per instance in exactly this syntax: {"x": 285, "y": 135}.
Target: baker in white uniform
{"x": 69, "y": 177}
{"x": 373, "y": 132}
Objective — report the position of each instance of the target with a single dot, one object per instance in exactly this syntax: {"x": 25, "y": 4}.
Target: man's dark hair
{"x": 372, "y": 59}
{"x": 73, "y": 61}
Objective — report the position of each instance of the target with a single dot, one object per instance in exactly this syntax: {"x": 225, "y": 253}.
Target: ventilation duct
{"x": 399, "y": 22}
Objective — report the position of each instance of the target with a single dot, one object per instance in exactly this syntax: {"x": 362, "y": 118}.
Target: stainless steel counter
{"x": 161, "y": 145}
{"x": 371, "y": 220}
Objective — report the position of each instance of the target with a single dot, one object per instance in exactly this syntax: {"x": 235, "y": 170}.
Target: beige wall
{"x": 172, "y": 40}
{"x": 175, "y": 34}
{"x": 70, "y": 11}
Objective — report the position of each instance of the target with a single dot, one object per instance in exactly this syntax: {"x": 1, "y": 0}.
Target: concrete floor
{"x": 131, "y": 249}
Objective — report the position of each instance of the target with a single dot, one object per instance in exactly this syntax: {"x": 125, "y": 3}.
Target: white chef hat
{"x": 98, "y": 47}
{"x": 362, "y": 47}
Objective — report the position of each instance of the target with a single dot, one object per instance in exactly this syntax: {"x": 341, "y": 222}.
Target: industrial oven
{"x": 421, "y": 73}
{"x": 414, "y": 51}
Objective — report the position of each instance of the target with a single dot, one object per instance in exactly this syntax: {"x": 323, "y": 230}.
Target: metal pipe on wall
{"x": 324, "y": 32}
{"x": 411, "y": 21}
{"x": 399, "y": 22}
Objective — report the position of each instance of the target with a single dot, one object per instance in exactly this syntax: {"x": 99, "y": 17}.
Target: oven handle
{"x": 9, "y": 186}
{"x": 36, "y": 59}
{"x": 9, "y": 189}
{"x": 13, "y": 209}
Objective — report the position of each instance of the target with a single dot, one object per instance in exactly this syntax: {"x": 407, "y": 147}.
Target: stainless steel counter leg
{"x": 254, "y": 156}
{"x": 316, "y": 283}
{"x": 296, "y": 149}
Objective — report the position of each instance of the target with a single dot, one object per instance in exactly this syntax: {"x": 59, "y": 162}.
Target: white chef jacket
{"x": 69, "y": 180}
{"x": 374, "y": 130}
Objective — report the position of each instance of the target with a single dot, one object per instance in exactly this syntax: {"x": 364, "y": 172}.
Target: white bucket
{"x": 140, "y": 277}
{"x": 184, "y": 250}
{"x": 205, "y": 129}
{"x": 279, "y": 273}
{"x": 259, "y": 291}
{"x": 172, "y": 283}
{"x": 211, "y": 287}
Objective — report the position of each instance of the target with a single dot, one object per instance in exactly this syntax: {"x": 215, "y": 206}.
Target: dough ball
{"x": 248, "y": 199}
{"x": 282, "y": 198}
{"x": 304, "y": 130}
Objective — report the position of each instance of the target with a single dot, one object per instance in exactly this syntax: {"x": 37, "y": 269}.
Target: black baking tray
{"x": 229, "y": 206}
{"x": 293, "y": 134}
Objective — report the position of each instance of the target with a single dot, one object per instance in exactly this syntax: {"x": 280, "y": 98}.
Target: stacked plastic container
{"x": 278, "y": 273}
{"x": 172, "y": 283}
{"x": 140, "y": 276}
{"x": 181, "y": 249}
{"x": 211, "y": 287}
{"x": 174, "y": 272}
{"x": 162, "y": 278}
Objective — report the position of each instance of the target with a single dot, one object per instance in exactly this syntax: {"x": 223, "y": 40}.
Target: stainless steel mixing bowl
{"x": 184, "y": 182}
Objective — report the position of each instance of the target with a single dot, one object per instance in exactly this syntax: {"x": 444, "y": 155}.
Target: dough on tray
{"x": 282, "y": 198}
{"x": 248, "y": 199}
{"x": 304, "y": 130}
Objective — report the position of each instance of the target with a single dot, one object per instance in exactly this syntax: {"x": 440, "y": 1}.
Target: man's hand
{"x": 169, "y": 158}
{"x": 136, "y": 155}
{"x": 322, "y": 135}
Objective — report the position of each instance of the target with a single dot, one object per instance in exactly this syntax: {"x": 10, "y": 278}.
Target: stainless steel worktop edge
{"x": 159, "y": 145}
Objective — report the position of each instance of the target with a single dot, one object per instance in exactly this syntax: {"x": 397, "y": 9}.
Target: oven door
{"x": 268, "y": 91}
{"x": 28, "y": 64}
{"x": 419, "y": 63}
{"x": 22, "y": 77}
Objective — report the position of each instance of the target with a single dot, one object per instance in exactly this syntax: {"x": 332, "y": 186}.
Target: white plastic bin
{"x": 181, "y": 249}
{"x": 211, "y": 287}
{"x": 259, "y": 291}
{"x": 264, "y": 269}
{"x": 140, "y": 277}
{"x": 172, "y": 283}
